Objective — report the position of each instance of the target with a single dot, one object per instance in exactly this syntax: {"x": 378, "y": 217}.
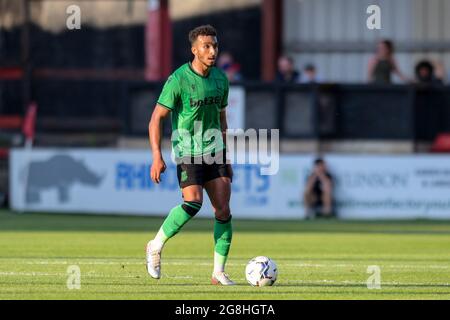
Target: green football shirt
{"x": 195, "y": 102}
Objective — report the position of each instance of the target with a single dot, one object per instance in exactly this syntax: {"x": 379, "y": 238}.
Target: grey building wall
{"x": 332, "y": 34}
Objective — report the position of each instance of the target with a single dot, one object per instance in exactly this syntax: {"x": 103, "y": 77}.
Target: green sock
{"x": 176, "y": 219}
{"x": 223, "y": 234}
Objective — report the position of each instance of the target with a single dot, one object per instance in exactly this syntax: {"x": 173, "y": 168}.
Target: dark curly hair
{"x": 205, "y": 30}
{"x": 389, "y": 45}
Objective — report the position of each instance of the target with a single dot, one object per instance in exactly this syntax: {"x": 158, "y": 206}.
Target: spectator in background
{"x": 229, "y": 66}
{"x": 309, "y": 74}
{"x": 383, "y": 64}
{"x": 318, "y": 195}
{"x": 425, "y": 73}
{"x": 286, "y": 71}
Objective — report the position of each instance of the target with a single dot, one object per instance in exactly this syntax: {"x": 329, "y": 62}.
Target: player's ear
{"x": 194, "y": 50}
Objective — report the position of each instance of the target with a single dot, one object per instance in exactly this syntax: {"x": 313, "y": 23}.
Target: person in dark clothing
{"x": 286, "y": 71}
{"x": 318, "y": 195}
{"x": 383, "y": 64}
{"x": 425, "y": 73}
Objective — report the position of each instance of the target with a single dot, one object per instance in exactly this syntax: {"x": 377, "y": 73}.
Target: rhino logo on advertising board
{"x": 59, "y": 172}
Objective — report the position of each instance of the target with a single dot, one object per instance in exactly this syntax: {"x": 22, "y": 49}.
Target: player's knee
{"x": 306, "y": 198}
{"x": 223, "y": 213}
{"x": 309, "y": 199}
{"x": 191, "y": 207}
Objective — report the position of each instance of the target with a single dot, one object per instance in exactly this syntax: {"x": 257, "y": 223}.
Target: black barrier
{"x": 374, "y": 112}
{"x": 140, "y": 102}
{"x": 432, "y": 111}
{"x": 79, "y": 105}
{"x": 11, "y": 97}
{"x": 325, "y": 111}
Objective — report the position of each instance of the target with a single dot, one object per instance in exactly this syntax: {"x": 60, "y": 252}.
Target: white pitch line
{"x": 177, "y": 277}
{"x": 305, "y": 282}
{"x": 183, "y": 263}
{"x": 88, "y": 275}
{"x": 393, "y": 266}
{"x": 32, "y": 274}
{"x": 363, "y": 283}
{"x": 200, "y": 263}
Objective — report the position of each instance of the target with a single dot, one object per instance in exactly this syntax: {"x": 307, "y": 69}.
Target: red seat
{"x": 441, "y": 143}
{"x": 4, "y": 152}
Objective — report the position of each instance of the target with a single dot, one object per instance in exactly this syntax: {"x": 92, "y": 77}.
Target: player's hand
{"x": 322, "y": 176}
{"x": 158, "y": 167}
{"x": 313, "y": 176}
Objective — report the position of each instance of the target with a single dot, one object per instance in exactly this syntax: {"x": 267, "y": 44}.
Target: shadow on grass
{"x": 10, "y": 221}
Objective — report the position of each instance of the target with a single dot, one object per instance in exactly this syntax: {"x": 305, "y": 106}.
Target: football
{"x": 261, "y": 271}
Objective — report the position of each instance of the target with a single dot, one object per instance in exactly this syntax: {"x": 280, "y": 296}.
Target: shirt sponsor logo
{"x": 205, "y": 102}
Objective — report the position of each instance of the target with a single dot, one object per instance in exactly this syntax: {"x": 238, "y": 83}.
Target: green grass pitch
{"x": 325, "y": 259}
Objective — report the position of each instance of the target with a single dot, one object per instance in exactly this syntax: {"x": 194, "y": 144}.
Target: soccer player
{"x": 196, "y": 95}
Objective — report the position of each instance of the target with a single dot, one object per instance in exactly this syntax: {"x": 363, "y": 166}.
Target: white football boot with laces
{"x": 221, "y": 278}
{"x": 153, "y": 261}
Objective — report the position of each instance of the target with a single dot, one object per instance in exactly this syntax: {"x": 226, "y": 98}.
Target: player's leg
{"x": 219, "y": 192}
{"x": 309, "y": 200}
{"x": 327, "y": 201}
{"x": 193, "y": 197}
{"x": 181, "y": 214}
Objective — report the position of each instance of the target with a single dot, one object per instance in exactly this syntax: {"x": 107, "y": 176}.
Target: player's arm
{"x": 223, "y": 114}
{"x": 223, "y": 125}
{"x": 325, "y": 180}
{"x": 155, "y": 134}
{"x": 167, "y": 101}
{"x": 310, "y": 182}
{"x": 397, "y": 71}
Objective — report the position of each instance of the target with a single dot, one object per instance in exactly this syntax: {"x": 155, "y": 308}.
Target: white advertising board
{"x": 114, "y": 181}
{"x": 235, "y": 109}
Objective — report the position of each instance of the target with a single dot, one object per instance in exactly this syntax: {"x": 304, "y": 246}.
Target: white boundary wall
{"x": 115, "y": 181}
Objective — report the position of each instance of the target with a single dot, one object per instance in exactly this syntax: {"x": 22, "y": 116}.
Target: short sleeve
{"x": 170, "y": 93}
{"x": 225, "y": 95}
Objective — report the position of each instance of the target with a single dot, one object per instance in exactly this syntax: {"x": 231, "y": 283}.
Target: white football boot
{"x": 153, "y": 261}
{"x": 221, "y": 278}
